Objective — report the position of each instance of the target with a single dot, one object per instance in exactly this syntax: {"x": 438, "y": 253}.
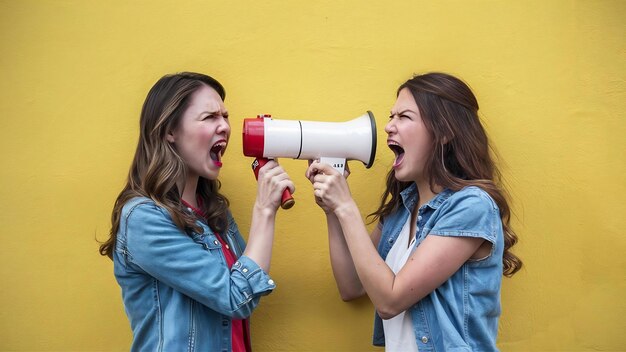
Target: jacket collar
{"x": 409, "y": 197}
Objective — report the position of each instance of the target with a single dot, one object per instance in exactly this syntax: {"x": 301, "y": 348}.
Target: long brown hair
{"x": 461, "y": 154}
{"x": 157, "y": 167}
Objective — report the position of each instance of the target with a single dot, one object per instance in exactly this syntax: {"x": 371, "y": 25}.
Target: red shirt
{"x": 240, "y": 337}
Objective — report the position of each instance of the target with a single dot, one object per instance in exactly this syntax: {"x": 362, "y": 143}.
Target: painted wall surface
{"x": 549, "y": 75}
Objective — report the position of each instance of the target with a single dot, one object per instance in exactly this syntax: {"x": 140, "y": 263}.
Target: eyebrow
{"x": 213, "y": 112}
{"x": 401, "y": 112}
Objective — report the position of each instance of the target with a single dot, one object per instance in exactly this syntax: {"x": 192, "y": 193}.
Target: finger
{"x": 274, "y": 171}
{"x": 319, "y": 167}
{"x": 320, "y": 186}
{"x": 267, "y": 167}
{"x": 282, "y": 181}
{"x": 279, "y": 178}
{"x": 313, "y": 170}
{"x": 320, "y": 178}
{"x": 309, "y": 173}
{"x": 288, "y": 184}
{"x": 280, "y": 175}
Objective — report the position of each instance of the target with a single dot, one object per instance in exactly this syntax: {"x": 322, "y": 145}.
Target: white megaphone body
{"x": 331, "y": 142}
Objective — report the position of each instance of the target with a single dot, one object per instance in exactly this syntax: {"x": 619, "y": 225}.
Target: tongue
{"x": 398, "y": 159}
{"x": 216, "y": 157}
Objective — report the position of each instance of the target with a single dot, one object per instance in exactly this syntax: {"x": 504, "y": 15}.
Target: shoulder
{"x": 229, "y": 216}
{"x": 142, "y": 208}
{"x": 468, "y": 212}
{"x": 471, "y": 197}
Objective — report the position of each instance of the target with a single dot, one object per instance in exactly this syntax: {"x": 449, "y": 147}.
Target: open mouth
{"x": 397, "y": 150}
{"x": 216, "y": 152}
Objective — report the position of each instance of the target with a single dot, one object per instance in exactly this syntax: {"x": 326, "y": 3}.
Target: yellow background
{"x": 549, "y": 76}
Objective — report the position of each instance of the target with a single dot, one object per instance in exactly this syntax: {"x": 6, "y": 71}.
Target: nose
{"x": 390, "y": 127}
{"x": 224, "y": 126}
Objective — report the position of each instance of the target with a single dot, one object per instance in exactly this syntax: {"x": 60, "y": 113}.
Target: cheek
{"x": 427, "y": 148}
{"x": 424, "y": 140}
{"x": 197, "y": 141}
{"x": 421, "y": 150}
{"x": 205, "y": 135}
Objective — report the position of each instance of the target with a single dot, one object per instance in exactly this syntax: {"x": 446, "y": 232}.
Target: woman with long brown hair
{"x": 433, "y": 265}
{"x": 189, "y": 282}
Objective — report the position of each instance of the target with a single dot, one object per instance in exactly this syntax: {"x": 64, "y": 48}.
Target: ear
{"x": 170, "y": 137}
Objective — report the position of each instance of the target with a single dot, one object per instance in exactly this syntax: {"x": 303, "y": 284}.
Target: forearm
{"x": 439, "y": 258}
{"x": 374, "y": 274}
{"x": 345, "y": 274}
{"x": 261, "y": 236}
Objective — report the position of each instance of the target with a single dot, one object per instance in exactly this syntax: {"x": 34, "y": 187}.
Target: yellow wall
{"x": 549, "y": 75}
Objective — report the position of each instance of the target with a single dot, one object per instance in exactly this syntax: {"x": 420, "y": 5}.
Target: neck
{"x": 425, "y": 193}
{"x": 189, "y": 191}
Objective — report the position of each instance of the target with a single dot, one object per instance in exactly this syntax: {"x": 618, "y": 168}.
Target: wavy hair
{"x": 157, "y": 167}
{"x": 461, "y": 154}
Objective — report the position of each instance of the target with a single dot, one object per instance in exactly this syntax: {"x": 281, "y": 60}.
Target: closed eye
{"x": 400, "y": 116}
{"x": 213, "y": 116}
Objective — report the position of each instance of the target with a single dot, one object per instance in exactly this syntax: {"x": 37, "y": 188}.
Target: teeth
{"x": 217, "y": 147}
{"x": 216, "y": 150}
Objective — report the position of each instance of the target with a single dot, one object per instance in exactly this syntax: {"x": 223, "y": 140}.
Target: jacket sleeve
{"x": 469, "y": 213}
{"x": 156, "y": 246}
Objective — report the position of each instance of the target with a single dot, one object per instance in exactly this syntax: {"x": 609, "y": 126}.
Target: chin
{"x": 211, "y": 175}
{"x": 402, "y": 179}
{"x": 404, "y": 176}
{"x": 398, "y": 175}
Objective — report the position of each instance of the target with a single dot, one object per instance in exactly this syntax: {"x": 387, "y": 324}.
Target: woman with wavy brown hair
{"x": 433, "y": 265}
{"x": 188, "y": 280}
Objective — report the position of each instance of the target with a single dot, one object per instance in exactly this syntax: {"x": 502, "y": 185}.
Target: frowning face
{"x": 408, "y": 138}
{"x": 202, "y": 134}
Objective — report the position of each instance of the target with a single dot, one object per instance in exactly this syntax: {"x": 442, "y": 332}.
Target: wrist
{"x": 346, "y": 210}
{"x": 263, "y": 211}
{"x": 328, "y": 212}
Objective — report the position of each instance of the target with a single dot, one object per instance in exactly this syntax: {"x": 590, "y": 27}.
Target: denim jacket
{"x": 461, "y": 314}
{"x": 178, "y": 291}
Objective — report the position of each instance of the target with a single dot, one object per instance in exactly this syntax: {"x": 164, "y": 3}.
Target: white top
{"x": 399, "y": 334}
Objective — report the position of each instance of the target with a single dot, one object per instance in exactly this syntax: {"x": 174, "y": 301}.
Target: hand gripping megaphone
{"x": 331, "y": 142}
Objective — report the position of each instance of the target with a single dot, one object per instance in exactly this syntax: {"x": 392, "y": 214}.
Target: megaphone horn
{"x": 298, "y": 139}
{"x": 330, "y": 142}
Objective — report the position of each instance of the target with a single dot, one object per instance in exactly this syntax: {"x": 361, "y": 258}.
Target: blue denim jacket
{"x": 461, "y": 314}
{"x": 178, "y": 291}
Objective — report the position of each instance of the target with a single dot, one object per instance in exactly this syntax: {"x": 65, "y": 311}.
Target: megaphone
{"x": 331, "y": 142}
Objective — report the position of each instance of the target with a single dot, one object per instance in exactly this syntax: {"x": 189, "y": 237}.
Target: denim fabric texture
{"x": 461, "y": 314}
{"x": 178, "y": 291}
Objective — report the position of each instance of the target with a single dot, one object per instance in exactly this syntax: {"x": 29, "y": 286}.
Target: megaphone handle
{"x": 286, "y": 200}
